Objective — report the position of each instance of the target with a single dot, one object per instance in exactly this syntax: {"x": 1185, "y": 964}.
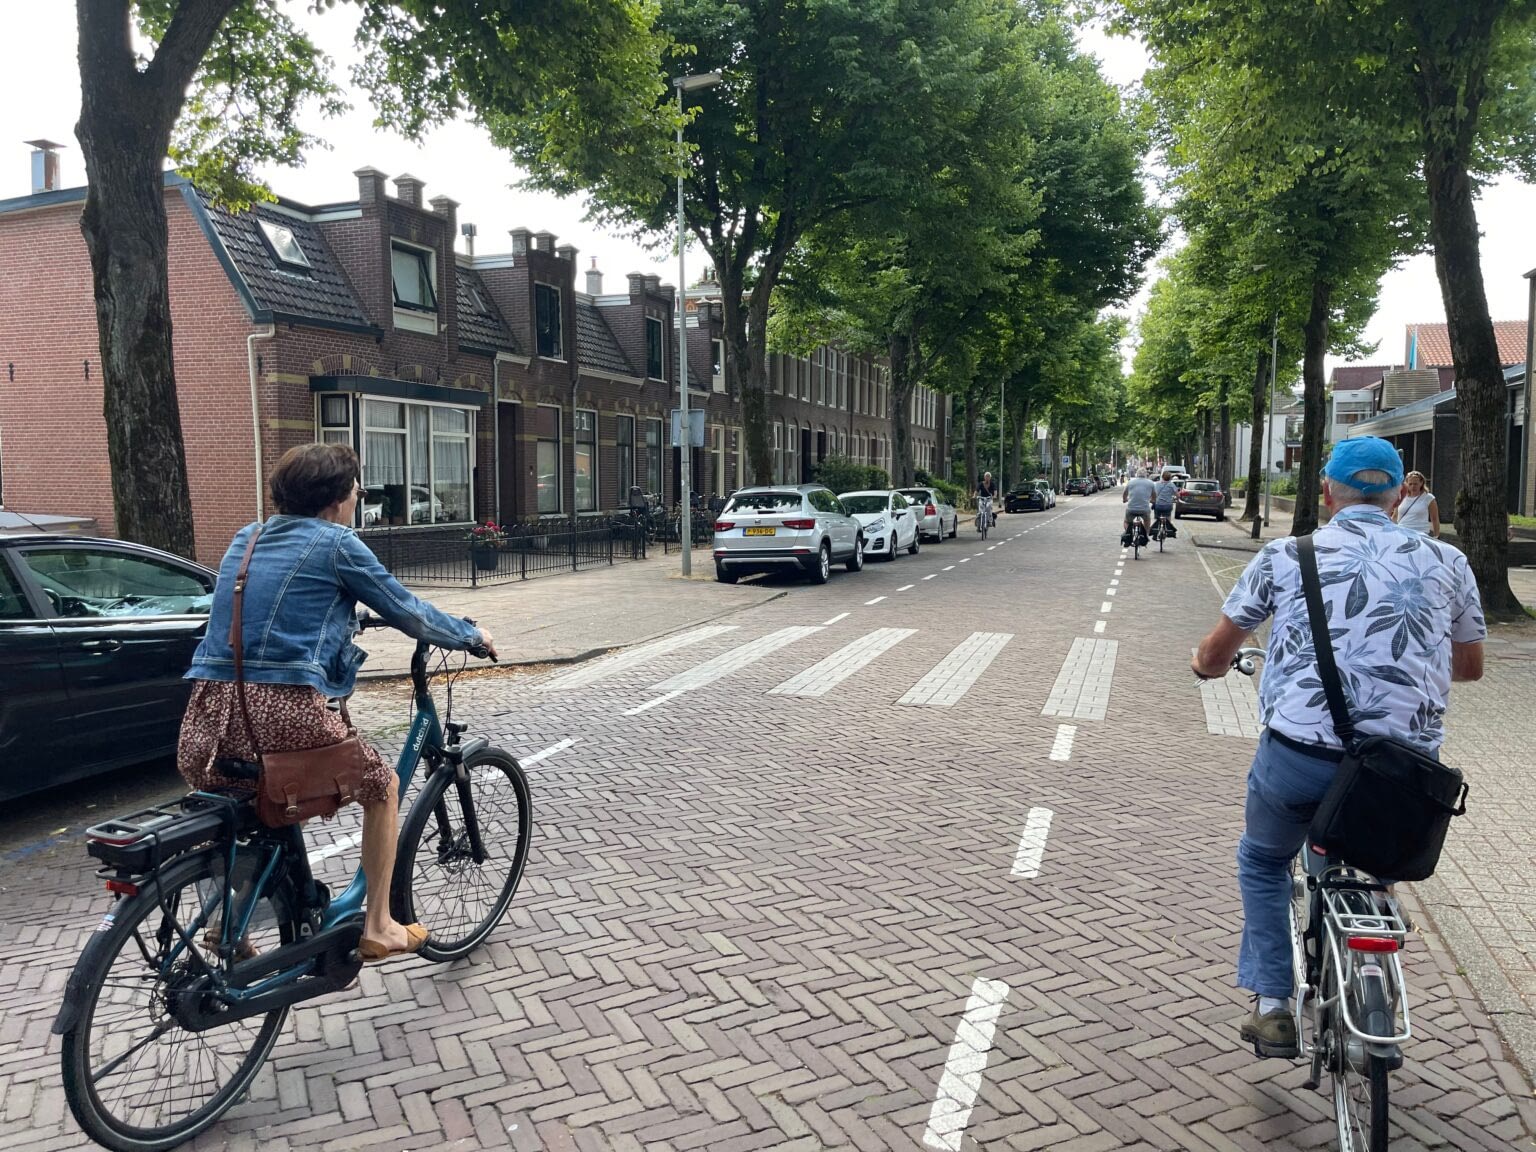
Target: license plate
{"x": 759, "y": 531}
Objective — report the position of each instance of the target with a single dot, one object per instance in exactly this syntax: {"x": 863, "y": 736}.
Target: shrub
{"x": 952, "y": 493}
{"x": 844, "y": 475}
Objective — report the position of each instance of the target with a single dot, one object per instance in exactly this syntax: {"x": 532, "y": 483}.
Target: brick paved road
{"x": 790, "y": 919}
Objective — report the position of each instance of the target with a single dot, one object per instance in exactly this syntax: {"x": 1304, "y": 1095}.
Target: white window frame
{"x": 620, "y": 422}
{"x": 330, "y": 432}
{"x": 415, "y": 317}
{"x": 559, "y": 443}
{"x": 661, "y": 342}
{"x": 585, "y": 415}
{"x": 432, "y": 434}
{"x": 717, "y": 364}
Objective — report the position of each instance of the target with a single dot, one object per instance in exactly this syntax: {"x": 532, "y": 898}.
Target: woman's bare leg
{"x": 381, "y": 822}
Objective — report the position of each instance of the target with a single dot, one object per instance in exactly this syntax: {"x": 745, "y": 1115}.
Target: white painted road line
{"x": 876, "y": 600}
{"x": 1106, "y": 606}
{"x": 1082, "y": 686}
{"x": 1231, "y": 706}
{"x": 1061, "y": 748}
{"x": 966, "y": 560}
{"x": 930, "y": 576}
{"x": 1037, "y": 826}
{"x": 835, "y": 619}
{"x": 960, "y": 1083}
{"x": 821, "y": 677}
{"x": 600, "y": 669}
{"x": 736, "y": 659}
{"x": 1113, "y": 583}
{"x": 948, "y": 680}
{"x": 906, "y": 587}
{"x": 949, "y": 568}
{"x": 1098, "y": 625}
{"x": 1111, "y": 591}
{"x": 546, "y": 753}
{"x": 649, "y": 704}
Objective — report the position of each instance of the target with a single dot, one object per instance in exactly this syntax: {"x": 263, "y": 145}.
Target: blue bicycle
{"x": 219, "y": 927}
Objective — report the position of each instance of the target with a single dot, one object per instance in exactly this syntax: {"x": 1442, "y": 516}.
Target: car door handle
{"x": 101, "y": 645}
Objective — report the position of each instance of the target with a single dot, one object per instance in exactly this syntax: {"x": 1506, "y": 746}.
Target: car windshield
{"x": 857, "y": 504}
{"x": 765, "y": 502}
{"x": 921, "y": 495}
{"x": 1201, "y": 486}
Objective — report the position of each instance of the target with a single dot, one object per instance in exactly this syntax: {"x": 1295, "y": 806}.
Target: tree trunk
{"x": 1314, "y": 410}
{"x": 1016, "y": 472}
{"x": 1073, "y": 441}
{"x": 1224, "y": 447}
{"x": 1256, "y": 443}
{"x": 971, "y": 473}
{"x": 126, "y": 117}
{"x": 1481, "y": 509}
{"x": 754, "y": 399}
{"x": 900, "y": 348}
{"x": 1054, "y": 477}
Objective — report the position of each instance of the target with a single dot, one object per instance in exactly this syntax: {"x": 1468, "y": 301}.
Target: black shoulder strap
{"x": 1322, "y": 643}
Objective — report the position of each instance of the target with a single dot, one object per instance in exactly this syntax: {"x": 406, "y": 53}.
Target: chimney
{"x": 544, "y": 241}
{"x": 370, "y": 187}
{"x": 45, "y": 166}
{"x": 653, "y": 283}
{"x": 636, "y": 287}
{"x": 408, "y": 189}
{"x": 594, "y": 280}
{"x": 567, "y": 252}
{"x": 520, "y": 237}
{"x": 469, "y": 232}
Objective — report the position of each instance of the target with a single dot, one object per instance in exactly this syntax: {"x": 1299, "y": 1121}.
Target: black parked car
{"x": 1027, "y": 497}
{"x": 95, "y": 636}
{"x": 1080, "y": 486}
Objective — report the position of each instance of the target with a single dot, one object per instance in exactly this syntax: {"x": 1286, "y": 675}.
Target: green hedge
{"x": 844, "y": 475}
{"x": 952, "y": 493}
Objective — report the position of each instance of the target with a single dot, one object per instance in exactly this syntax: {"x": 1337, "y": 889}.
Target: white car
{"x": 937, "y": 519}
{"x": 890, "y": 522}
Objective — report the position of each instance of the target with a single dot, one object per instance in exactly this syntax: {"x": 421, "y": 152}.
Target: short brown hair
{"x": 312, "y": 477}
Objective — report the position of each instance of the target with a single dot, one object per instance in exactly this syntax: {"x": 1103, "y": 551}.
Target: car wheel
{"x": 891, "y": 555}
{"x": 917, "y": 541}
{"x": 725, "y": 576}
{"x": 1221, "y": 517}
{"x": 823, "y": 571}
{"x": 856, "y": 561}
{"x": 1177, "y": 515}
{"x": 954, "y": 526}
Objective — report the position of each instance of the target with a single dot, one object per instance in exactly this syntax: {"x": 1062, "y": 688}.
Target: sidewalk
{"x": 1482, "y": 900}
{"x": 576, "y": 615}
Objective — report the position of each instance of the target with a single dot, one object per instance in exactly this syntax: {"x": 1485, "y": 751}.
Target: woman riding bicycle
{"x": 307, "y": 575}
{"x": 986, "y": 491}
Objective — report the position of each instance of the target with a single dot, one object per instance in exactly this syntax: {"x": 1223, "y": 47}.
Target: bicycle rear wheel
{"x": 1360, "y": 1076}
{"x": 462, "y": 851}
{"x": 135, "y": 1079}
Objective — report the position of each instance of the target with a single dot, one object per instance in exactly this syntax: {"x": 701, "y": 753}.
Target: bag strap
{"x": 235, "y": 638}
{"x": 1322, "y": 643}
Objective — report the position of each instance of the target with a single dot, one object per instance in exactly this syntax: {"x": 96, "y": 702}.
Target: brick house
{"x": 473, "y": 387}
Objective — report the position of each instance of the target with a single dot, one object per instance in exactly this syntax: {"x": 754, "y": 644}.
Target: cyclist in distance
{"x": 987, "y": 490}
{"x": 1137, "y": 498}
{"x": 1406, "y": 620}
{"x": 307, "y": 574}
{"x": 1162, "y": 506}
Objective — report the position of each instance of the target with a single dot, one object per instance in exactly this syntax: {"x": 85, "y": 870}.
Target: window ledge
{"x": 409, "y": 321}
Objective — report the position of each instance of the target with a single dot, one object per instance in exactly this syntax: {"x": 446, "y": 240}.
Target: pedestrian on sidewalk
{"x": 1418, "y": 510}
{"x": 1406, "y": 620}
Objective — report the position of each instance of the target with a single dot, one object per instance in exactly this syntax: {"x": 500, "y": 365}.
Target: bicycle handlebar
{"x": 367, "y": 620}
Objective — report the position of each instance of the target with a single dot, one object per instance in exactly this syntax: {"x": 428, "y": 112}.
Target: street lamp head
{"x": 700, "y": 80}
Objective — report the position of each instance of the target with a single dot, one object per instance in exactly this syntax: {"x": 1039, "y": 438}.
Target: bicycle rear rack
{"x": 143, "y": 840}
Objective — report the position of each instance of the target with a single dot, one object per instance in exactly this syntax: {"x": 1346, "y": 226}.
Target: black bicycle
{"x": 219, "y": 927}
{"x": 1161, "y": 529}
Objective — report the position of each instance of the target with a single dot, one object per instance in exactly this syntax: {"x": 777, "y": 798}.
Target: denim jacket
{"x": 306, "y": 578}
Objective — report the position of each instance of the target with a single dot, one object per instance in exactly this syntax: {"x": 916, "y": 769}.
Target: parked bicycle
{"x": 983, "y": 515}
{"x": 1351, "y": 1004}
{"x": 219, "y": 927}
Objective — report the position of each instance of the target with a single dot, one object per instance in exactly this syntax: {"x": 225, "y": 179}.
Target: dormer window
{"x": 654, "y": 349}
{"x": 548, "y": 341}
{"x": 412, "y": 270}
{"x": 285, "y": 246}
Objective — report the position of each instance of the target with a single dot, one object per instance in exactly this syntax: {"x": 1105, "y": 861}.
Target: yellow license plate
{"x": 759, "y": 531}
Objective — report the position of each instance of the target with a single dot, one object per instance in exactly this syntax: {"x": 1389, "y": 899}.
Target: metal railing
{"x": 528, "y": 548}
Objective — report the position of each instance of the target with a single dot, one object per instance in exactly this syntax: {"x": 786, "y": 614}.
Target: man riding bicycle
{"x": 1162, "y": 505}
{"x": 1399, "y": 603}
{"x": 1137, "y": 498}
{"x": 986, "y": 498}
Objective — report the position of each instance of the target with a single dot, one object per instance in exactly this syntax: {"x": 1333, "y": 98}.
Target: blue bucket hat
{"x": 1364, "y": 454}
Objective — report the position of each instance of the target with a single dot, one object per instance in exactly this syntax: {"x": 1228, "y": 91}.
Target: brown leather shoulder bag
{"x": 295, "y": 786}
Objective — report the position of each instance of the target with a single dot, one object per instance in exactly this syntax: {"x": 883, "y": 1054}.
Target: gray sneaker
{"x": 1272, "y": 1034}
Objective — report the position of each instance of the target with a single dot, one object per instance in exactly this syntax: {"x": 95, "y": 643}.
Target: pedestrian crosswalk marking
{"x": 826, "y": 674}
{"x": 736, "y": 659}
{"x": 1082, "y": 686}
{"x": 952, "y": 676}
{"x": 1231, "y": 706}
{"x": 634, "y": 657}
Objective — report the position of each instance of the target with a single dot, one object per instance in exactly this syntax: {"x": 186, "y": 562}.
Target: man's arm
{"x": 1214, "y": 657}
{"x": 1467, "y": 660}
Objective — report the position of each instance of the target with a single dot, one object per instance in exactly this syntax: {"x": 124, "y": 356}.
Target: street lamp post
{"x": 685, "y": 447}
{"x": 1269, "y": 449}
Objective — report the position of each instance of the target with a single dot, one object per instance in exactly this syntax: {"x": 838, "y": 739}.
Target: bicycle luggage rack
{"x": 141, "y": 841}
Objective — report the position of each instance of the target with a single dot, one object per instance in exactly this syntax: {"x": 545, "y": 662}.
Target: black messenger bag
{"x": 1389, "y": 806}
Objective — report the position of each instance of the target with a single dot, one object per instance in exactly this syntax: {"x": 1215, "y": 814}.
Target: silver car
{"x": 936, "y": 519}
{"x": 775, "y": 527}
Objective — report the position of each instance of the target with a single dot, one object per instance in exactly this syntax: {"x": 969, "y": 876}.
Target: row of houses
{"x": 473, "y": 386}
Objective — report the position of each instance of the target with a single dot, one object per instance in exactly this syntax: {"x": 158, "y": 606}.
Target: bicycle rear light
{"x": 1372, "y": 944}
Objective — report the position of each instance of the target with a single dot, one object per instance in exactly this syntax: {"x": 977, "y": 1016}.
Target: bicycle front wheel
{"x": 462, "y": 851}
{"x": 1360, "y": 1079}
{"x": 135, "y": 1079}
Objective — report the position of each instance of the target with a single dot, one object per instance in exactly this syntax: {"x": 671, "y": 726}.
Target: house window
{"x": 778, "y": 452}
{"x": 586, "y": 461}
{"x": 819, "y": 389}
{"x": 417, "y": 462}
{"x": 655, "y": 349}
{"x": 624, "y": 456}
{"x": 284, "y": 245}
{"x": 717, "y": 461}
{"x": 335, "y": 419}
{"x": 413, "y": 278}
{"x": 739, "y": 442}
{"x": 546, "y": 306}
{"x": 776, "y": 370}
{"x": 717, "y": 364}
{"x": 653, "y": 456}
{"x": 547, "y": 457}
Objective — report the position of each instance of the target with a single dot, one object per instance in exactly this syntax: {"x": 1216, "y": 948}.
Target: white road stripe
{"x": 876, "y": 600}
{"x": 906, "y": 587}
{"x": 1113, "y": 583}
{"x": 600, "y": 669}
{"x": 1037, "y": 826}
{"x": 960, "y": 1083}
{"x": 826, "y": 674}
{"x": 1082, "y": 686}
{"x": 1061, "y": 748}
{"x": 1106, "y": 606}
{"x": 1111, "y": 591}
{"x": 1098, "y": 625}
{"x": 950, "y": 678}
{"x": 949, "y": 568}
{"x": 930, "y": 576}
{"x": 736, "y": 659}
{"x": 835, "y": 619}
{"x": 546, "y": 753}
{"x": 649, "y": 704}
{"x": 966, "y": 560}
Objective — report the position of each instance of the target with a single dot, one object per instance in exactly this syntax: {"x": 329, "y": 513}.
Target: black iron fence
{"x": 526, "y": 549}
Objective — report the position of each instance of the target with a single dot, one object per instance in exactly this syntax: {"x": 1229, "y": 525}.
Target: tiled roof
{"x": 480, "y": 324}
{"x": 319, "y": 293}
{"x": 1349, "y": 377}
{"x": 1434, "y": 344}
{"x": 698, "y": 370}
{"x": 595, "y": 344}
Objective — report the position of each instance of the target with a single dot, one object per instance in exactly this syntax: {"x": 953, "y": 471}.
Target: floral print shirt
{"x": 1395, "y": 601}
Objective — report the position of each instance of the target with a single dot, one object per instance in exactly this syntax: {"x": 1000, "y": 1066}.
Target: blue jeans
{"x": 1284, "y": 790}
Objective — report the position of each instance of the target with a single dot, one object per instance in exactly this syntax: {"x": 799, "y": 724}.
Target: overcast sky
{"x": 40, "y": 97}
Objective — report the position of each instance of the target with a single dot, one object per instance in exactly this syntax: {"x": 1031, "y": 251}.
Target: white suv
{"x": 776, "y": 526}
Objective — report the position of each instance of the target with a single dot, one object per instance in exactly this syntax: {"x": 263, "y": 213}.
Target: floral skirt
{"x": 286, "y": 717}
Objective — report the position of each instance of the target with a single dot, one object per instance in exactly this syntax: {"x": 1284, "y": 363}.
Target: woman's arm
{"x": 369, "y": 582}
{"x": 1434, "y": 518}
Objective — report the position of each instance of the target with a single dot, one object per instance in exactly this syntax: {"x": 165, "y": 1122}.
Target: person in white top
{"x": 1418, "y": 511}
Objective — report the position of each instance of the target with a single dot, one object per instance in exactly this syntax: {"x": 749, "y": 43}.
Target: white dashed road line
{"x": 600, "y": 669}
{"x": 1106, "y": 606}
{"x": 876, "y": 600}
{"x": 1098, "y": 626}
{"x": 960, "y": 1083}
{"x": 821, "y": 677}
{"x": 1061, "y": 748}
{"x": 949, "y": 568}
{"x": 649, "y": 704}
{"x": 1082, "y": 686}
{"x": 930, "y": 576}
{"x": 1037, "y": 826}
{"x": 736, "y": 659}
{"x": 906, "y": 587}
{"x": 949, "y": 679}
{"x": 835, "y": 619}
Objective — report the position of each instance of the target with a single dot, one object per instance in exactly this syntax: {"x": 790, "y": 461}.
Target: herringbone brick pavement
{"x": 753, "y": 921}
